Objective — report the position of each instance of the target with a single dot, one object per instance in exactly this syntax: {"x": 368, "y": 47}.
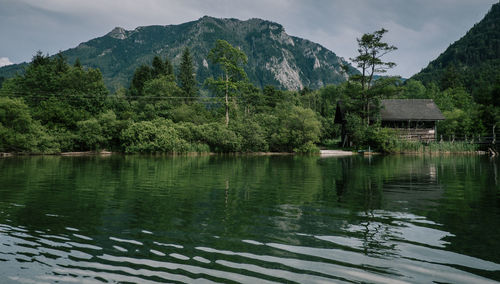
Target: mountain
{"x": 472, "y": 61}
{"x": 274, "y": 57}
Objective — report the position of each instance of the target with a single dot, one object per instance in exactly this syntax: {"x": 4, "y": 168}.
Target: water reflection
{"x": 249, "y": 219}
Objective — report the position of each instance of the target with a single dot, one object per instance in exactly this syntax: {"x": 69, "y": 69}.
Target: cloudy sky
{"x": 421, "y": 29}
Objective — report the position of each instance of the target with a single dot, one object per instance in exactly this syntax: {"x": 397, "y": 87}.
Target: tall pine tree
{"x": 371, "y": 49}
{"x": 187, "y": 77}
{"x": 159, "y": 68}
{"x": 169, "y": 67}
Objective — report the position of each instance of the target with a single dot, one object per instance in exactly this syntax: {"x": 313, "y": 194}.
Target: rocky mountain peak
{"x": 118, "y": 33}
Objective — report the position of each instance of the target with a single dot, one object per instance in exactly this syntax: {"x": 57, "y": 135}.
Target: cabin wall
{"x": 417, "y": 134}
{"x": 413, "y": 130}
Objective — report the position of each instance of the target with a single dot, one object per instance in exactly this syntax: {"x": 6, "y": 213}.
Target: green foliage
{"x": 453, "y": 98}
{"x": 371, "y": 48}
{"x": 231, "y": 61}
{"x": 160, "y": 68}
{"x": 382, "y": 139}
{"x": 329, "y": 129}
{"x": 462, "y": 116}
{"x": 308, "y": 148}
{"x": 58, "y": 114}
{"x": 195, "y": 113}
{"x": 161, "y": 86}
{"x": 68, "y": 109}
{"x": 455, "y": 147}
{"x": 404, "y": 146}
{"x": 141, "y": 76}
{"x": 52, "y": 77}
{"x": 19, "y": 132}
{"x": 186, "y": 76}
{"x": 474, "y": 56}
{"x": 355, "y": 129}
{"x": 59, "y": 94}
{"x": 472, "y": 63}
{"x": 90, "y": 134}
{"x": 218, "y": 137}
{"x": 459, "y": 123}
{"x": 296, "y": 126}
{"x": 414, "y": 89}
{"x": 253, "y": 135}
{"x": 157, "y": 136}
{"x": 99, "y": 133}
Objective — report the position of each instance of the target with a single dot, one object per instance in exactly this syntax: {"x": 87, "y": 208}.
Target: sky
{"x": 421, "y": 29}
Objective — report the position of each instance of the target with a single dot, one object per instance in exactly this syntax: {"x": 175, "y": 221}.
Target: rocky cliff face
{"x": 274, "y": 57}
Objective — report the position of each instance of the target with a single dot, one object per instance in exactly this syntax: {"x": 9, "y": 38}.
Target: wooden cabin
{"x": 413, "y": 119}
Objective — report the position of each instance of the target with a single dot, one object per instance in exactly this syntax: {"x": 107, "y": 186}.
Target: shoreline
{"x": 321, "y": 153}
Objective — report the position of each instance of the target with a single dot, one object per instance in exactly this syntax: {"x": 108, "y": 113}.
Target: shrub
{"x": 253, "y": 136}
{"x": 218, "y": 137}
{"x": 382, "y": 139}
{"x": 356, "y": 130}
{"x": 90, "y": 134}
{"x": 157, "y": 136}
{"x": 19, "y": 132}
{"x": 307, "y": 148}
{"x": 296, "y": 127}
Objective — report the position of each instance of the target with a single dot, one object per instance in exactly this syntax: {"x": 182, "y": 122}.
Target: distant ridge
{"x": 274, "y": 57}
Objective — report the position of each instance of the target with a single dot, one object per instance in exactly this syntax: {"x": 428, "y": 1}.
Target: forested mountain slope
{"x": 472, "y": 61}
{"x": 274, "y": 57}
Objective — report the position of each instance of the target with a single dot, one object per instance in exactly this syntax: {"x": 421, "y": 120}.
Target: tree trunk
{"x": 227, "y": 100}
{"x": 364, "y": 96}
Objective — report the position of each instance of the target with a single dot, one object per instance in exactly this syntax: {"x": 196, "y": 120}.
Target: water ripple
{"x": 149, "y": 227}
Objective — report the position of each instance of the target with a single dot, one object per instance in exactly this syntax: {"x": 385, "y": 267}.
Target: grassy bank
{"x": 434, "y": 147}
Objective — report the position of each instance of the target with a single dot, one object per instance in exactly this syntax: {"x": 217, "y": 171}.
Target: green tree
{"x": 57, "y": 92}
{"x": 186, "y": 76}
{"x": 159, "y": 67}
{"x": 371, "y": 49}
{"x": 141, "y": 75}
{"x": 231, "y": 61}
{"x": 296, "y": 128}
{"x": 451, "y": 78}
{"x": 19, "y": 132}
{"x": 77, "y": 63}
{"x": 169, "y": 67}
{"x": 414, "y": 89}
{"x": 162, "y": 86}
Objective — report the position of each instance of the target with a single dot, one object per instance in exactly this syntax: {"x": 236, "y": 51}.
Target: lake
{"x": 250, "y": 219}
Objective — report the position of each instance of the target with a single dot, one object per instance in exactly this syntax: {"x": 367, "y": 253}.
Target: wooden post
{"x": 435, "y": 130}
{"x": 494, "y": 135}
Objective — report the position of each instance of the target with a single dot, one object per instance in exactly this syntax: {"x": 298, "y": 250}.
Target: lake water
{"x": 135, "y": 219}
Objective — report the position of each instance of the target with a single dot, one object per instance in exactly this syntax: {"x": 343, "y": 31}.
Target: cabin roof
{"x": 410, "y": 109}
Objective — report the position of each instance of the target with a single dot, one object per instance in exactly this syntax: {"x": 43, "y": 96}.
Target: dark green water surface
{"x": 135, "y": 219}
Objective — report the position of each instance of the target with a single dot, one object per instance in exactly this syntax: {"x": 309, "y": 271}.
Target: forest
{"x": 55, "y": 107}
